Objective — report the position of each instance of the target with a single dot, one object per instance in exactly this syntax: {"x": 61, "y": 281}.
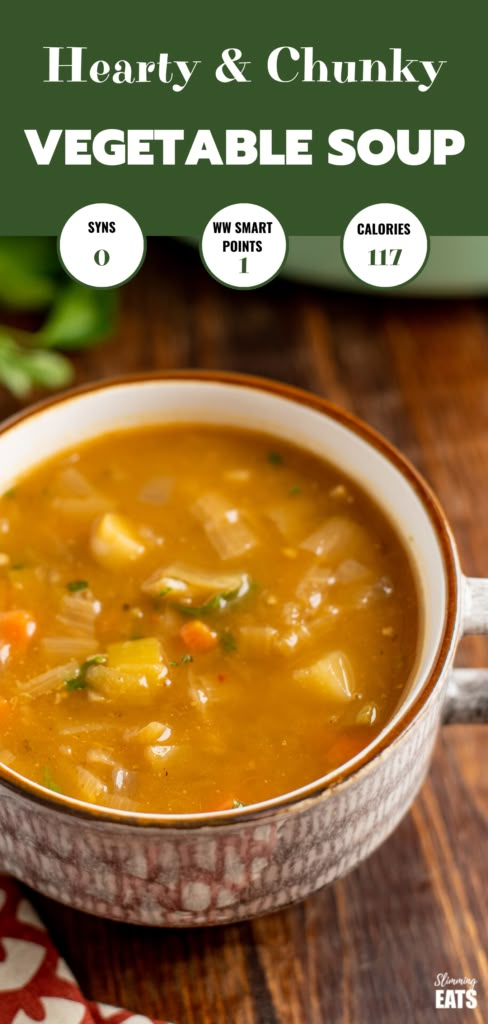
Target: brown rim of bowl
{"x": 315, "y": 789}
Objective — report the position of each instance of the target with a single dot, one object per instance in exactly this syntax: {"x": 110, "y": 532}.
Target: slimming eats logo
{"x": 455, "y": 993}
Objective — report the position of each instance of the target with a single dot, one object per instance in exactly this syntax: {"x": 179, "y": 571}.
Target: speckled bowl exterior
{"x": 216, "y": 874}
{"x": 214, "y": 869}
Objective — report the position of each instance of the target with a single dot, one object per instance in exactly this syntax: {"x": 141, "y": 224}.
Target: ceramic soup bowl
{"x": 211, "y": 869}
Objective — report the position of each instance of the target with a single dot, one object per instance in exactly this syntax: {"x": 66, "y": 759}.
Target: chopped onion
{"x": 76, "y": 498}
{"x": 290, "y": 641}
{"x": 314, "y": 585}
{"x": 351, "y": 571}
{"x": 292, "y": 517}
{"x": 97, "y": 755}
{"x": 119, "y": 802}
{"x": 92, "y": 788}
{"x": 153, "y": 732}
{"x": 78, "y": 614}
{"x": 73, "y": 730}
{"x": 179, "y": 580}
{"x": 155, "y": 491}
{"x": 123, "y": 779}
{"x": 156, "y": 754}
{"x": 367, "y": 715}
{"x": 256, "y": 641}
{"x": 336, "y": 538}
{"x": 238, "y": 476}
{"x": 224, "y": 525}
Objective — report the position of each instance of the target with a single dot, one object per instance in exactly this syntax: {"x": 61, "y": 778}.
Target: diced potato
{"x": 115, "y": 542}
{"x": 134, "y": 655}
{"x": 128, "y": 687}
{"x": 134, "y": 670}
{"x": 332, "y": 675}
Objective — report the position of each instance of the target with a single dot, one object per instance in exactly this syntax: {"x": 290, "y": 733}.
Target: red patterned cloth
{"x": 35, "y": 983}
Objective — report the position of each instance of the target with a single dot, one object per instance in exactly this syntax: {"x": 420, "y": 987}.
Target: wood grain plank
{"x": 367, "y": 950}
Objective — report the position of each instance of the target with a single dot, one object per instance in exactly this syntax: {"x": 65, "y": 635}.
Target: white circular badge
{"x": 385, "y": 245}
{"x": 102, "y": 245}
{"x": 244, "y": 245}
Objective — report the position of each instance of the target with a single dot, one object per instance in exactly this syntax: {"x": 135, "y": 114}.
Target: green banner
{"x": 176, "y": 112}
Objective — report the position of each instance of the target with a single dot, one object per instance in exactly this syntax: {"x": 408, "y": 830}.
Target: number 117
{"x": 379, "y": 257}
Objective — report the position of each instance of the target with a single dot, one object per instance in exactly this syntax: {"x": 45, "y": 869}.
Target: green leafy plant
{"x": 71, "y": 316}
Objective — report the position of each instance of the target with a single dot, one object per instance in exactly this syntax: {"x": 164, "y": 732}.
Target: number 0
{"x": 102, "y": 257}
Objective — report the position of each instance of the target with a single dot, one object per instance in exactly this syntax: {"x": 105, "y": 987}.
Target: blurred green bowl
{"x": 457, "y": 265}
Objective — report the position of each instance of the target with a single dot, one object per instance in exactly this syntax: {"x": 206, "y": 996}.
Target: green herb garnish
{"x": 183, "y": 661}
{"x": 80, "y": 682}
{"x": 77, "y": 683}
{"x": 275, "y": 459}
{"x": 216, "y": 604}
{"x": 10, "y": 493}
{"x": 294, "y": 490}
{"x": 18, "y": 566}
{"x": 228, "y": 642}
{"x": 48, "y": 781}
{"x": 75, "y": 585}
{"x": 237, "y": 803}
{"x": 158, "y": 598}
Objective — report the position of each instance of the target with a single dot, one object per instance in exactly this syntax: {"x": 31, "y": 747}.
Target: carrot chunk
{"x": 198, "y": 637}
{"x": 348, "y": 745}
{"x": 17, "y": 627}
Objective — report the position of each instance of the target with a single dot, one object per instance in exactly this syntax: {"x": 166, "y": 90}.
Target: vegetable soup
{"x": 194, "y": 619}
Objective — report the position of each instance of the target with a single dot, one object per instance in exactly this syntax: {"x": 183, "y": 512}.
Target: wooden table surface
{"x": 366, "y": 950}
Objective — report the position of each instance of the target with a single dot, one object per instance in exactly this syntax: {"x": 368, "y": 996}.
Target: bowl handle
{"x": 467, "y": 689}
